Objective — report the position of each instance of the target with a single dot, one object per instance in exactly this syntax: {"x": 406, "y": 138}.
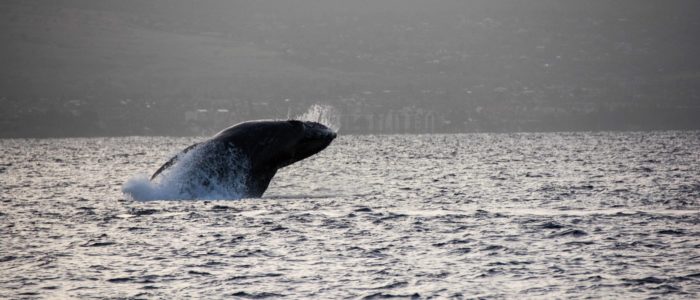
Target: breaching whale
{"x": 259, "y": 149}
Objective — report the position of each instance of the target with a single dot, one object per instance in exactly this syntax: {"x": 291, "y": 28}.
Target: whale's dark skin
{"x": 268, "y": 145}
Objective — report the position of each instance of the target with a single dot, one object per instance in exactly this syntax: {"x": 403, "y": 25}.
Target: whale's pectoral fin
{"x": 172, "y": 161}
{"x": 258, "y": 182}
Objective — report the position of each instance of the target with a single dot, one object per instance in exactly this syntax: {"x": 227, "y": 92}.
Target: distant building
{"x": 405, "y": 120}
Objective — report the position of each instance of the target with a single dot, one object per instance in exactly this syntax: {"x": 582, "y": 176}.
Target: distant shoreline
{"x": 366, "y": 134}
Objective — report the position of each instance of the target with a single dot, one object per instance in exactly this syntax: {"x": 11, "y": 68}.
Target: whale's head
{"x": 314, "y": 138}
{"x": 277, "y": 144}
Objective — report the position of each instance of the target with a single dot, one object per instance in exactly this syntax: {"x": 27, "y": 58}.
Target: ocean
{"x": 511, "y": 215}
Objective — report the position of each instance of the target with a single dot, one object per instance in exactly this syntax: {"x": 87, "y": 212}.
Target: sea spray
{"x": 324, "y": 114}
{"x": 197, "y": 174}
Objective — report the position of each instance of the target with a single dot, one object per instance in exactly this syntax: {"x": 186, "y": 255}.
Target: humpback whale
{"x": 251, "y": 153}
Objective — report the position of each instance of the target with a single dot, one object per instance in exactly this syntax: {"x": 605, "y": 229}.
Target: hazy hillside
{"x": 135, "y": 67}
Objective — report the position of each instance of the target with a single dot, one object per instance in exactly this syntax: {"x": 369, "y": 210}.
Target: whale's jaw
{"x": 316, "y": 137}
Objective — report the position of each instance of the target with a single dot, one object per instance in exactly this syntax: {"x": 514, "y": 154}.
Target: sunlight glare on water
{"x": 531, "y": 215}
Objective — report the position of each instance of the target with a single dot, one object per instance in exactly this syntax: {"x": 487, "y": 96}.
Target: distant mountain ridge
{"x": 484, "y": 65}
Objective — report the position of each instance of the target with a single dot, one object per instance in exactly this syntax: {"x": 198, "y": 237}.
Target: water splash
{"x": 202, "y": 173}
{"x": 324, "y": 114}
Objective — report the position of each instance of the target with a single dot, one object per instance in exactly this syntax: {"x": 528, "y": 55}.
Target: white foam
{"x": 185, "y": 179}
{"x": 140, "y": 188}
